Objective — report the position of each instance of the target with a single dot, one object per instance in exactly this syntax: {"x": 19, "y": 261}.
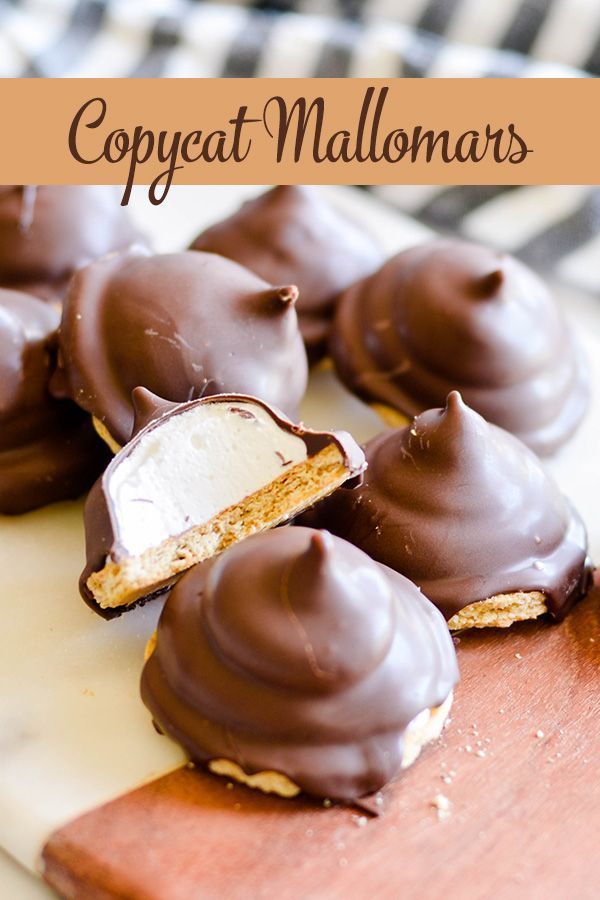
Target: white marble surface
{"x": 73, "y": 732}
{"x": 17, "y": 883}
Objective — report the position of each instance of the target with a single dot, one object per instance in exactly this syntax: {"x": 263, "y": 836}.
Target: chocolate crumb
{"x": 371, "y": 804}
{"x": 243, "y": 413}
{"x": 284, "y": 461}
{"x": 443, "y": 806}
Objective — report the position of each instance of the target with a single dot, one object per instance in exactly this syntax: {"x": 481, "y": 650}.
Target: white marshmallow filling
{"x": 192, "y": 466}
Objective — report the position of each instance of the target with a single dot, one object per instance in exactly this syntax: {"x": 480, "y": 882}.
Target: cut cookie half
{"x": 195, "y": 479}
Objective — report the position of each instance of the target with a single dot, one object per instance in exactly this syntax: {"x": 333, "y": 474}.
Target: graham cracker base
{"x": 268, "y": 782}
{"x": 103, "y": 432}
{"x": 324, "y": 365}
{"x": 500, "y": 611}
{"x": 393, "y": 418}
{"x": 124, "y": 581}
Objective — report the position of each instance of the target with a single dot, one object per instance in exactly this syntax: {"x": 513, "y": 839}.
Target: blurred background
{"x": 385, "y": 38}
{"x": 554, "y": 228}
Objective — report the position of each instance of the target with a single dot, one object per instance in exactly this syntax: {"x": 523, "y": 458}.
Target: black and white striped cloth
{"x": 555, "y": 228}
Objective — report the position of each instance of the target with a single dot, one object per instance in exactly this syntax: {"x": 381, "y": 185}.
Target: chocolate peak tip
{"x": 147, "y": 407}
{"x": 287, "y": 190}
{"x": 280, "y": 190}
{"x": 288, "y": 294}
{"x": 319, "y": 548}
{"x": 143, "y": 399}
{"x": 278, "y": 299}
{"x": 489, "y": 284}
{"x": 459, "y": 424}
{"x": 455, "y": 402}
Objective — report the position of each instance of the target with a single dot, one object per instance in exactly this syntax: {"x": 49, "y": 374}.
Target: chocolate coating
{"x": 452, "y": 315}
{"x": 464, "y": 510}
{"x": 183, "y": 325}
{"x": 292, "y": 235}
{"x": 48, "y": 449}
{"x": 314, "y": 669}
{"x": 47, "y": 232}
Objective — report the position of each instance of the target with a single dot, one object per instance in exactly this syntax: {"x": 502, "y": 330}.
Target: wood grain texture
{"x": 521, "y": 755}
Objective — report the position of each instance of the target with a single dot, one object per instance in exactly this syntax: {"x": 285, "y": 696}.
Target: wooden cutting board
{"x": 518, "y": 766}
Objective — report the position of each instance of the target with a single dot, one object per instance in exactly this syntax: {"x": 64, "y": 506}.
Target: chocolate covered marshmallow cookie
{"x": 294, "y": 662}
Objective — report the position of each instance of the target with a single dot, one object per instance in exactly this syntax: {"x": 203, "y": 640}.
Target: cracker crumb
{"x": 442, "y": 805}
{"x": 326, "y": 802}
{"x": 229, "y": 785}
{"x": 88, "y": 692}
{"x": 481, "y": 753}
{"x": 518, "y": 656}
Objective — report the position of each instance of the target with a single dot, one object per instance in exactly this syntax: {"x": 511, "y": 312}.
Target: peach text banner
{"x": 334, "y": 131}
